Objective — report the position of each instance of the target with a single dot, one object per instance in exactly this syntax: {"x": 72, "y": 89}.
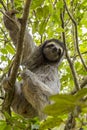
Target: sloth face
{"x": 52, "y": 51}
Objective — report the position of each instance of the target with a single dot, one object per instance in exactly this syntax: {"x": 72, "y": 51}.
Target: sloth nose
{"x": 54, "y": 49}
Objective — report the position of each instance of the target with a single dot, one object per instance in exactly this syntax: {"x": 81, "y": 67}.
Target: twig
{"x": 70, "y": 124}
{"x": 12, "y": 3}
{"x": 3, "y": 5}
{"x": 5, "y": 36}
{"x": 82, "y": 85}
{"x": 76, "y": 34}
{"x": 9, "y": 95}
{"x": 84, "y": 82}
{"x": 67, "y": 56}
{"x": 74, "y": 57}
{"x": 20, "y": 42}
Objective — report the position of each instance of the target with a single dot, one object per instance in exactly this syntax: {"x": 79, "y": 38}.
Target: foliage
{"x": 18, "y": 123}
{"x": 45, "y": 23}
{"x": 62, "y": 105}
{"x": 65, "y": 103}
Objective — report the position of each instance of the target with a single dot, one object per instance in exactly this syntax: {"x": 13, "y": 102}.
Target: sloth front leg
{"x": 35, "y": 91}
{"x": 13, "y": 24}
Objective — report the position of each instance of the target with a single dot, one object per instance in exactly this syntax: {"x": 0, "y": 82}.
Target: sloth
{"x": 40, "y": 77}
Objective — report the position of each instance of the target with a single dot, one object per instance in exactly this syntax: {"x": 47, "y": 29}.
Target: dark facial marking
{"x": 50, "y": 45}
{"x": 59, "y": 52}
{"x": 54, "y": 49}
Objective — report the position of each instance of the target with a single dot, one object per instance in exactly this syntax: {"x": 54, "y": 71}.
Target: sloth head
{"x": 53, "y": 50}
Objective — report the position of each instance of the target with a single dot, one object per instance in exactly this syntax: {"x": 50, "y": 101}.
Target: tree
{"x": 65, "y": 21}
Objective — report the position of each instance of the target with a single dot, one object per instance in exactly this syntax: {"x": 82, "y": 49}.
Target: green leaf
{"x": 59, "y": 5}
{"x": 45, "y": 11}
{"x": 81, "y": 93}
{"x": 59, "y": 108}
{"x": 42, "y": 12}
{"x": 2, "y": 124}
{"x": 50, "y": 122}
{"x": 42, "y": 27}
{"x": 36, "y": 3}
{"x": 62, "y": 97}
{"x": 39, "y": 12}
{"x": 8, "y": 127}
{"x": 7, "y": 115}
{"x": 4, "y": 51}
{"x": 65, "y": 103}
{"x": 35, "y": 27}
{"x": 10, "y": 49}
{"x": 3, "y": 58}
{"x": 16, "y": 128}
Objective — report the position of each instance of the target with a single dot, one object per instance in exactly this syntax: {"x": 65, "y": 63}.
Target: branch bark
{"x": 70, "y": 124}
{"x": 83, "y": 84}
{"x": 67, "y": 56}
{"x": 5, "y": 8}
{"x": 76, "y": 34}
{"x": 12, "y": 78}
{"x": 20, "y": 42}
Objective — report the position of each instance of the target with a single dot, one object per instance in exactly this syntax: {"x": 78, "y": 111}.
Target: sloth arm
{"x": 13, "y": 28}
{"x": 35, "y": 91}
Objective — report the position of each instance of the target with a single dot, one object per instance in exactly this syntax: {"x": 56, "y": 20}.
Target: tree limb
{"x": 76, "y": 35}
{"x": 70, "y": 124}
{"x": 67, "y": 56}
{"x": 12, "y": 3}
{"x": 3, "y": 5}
{"x": 82, "y": 85}
{"x": 20, "y": 42}
{"x": 9, "y": 94}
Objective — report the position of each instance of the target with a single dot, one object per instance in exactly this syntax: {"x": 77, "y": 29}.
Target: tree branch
{"x": 82, "y": 85}
{"x": 9, "y": 94}
{"x": 76, "y": 34}
{"x": 70, "y": 124}
{"x": 3, "y": 5}
{"x": 12, "y": 3}
{"x": 67, "y": 56}
{"x": 20, "y": 42}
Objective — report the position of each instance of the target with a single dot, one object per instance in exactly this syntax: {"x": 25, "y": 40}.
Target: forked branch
{"x": 76, "y": 34}
{"x": 67, "y": 56}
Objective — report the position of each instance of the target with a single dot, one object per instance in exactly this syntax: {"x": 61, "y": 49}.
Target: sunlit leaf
{"x": 10, "y": 49}
{"x": 8, "y": 127}
{"x": 42, "y": 27}
{"x": 81, "y": 93}
{"x": 65, "y": 103}
{"x": 3, "y": 58}
{"x": 4, "y": 51}
{"x": 36, "y": 3}
{"x": 2, "y": 125}
{"x": 50, "y": 122}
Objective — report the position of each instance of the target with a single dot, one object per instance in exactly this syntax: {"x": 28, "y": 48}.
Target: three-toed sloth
{"x": 40, "y": 79}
